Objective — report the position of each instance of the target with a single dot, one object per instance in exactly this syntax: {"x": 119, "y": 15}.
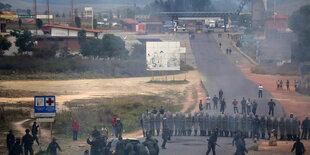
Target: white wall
{"x": 66, "y": 32}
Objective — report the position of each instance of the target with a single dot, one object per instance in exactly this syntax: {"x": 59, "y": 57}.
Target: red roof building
{"x": 276, "y": 22}
{"x": 129, "y": 24}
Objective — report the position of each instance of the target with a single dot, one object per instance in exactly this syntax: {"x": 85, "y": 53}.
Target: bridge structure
{"x": 259, "y": 8}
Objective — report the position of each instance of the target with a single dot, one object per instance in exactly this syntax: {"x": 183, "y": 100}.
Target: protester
{"x": 260, "y": 91}
{"x": 113, "y": 126}
{"x": 254, "y": 107}
{"x": 298, "y": 147}
{"x": 212, "y": 142}
{"x": 208, "y": 102}
{"x": 223, "y": 106}
{"x": 34, "y": 131}
{"x": 27, "y": 142}
{"x": 162, "y": 110}
{"x": 75, "y": 130}
{"x": 95, "y": 133}
{"x": 200, "y": 105}
{"x": 10, "y": 140}
{"x": 271, "y": 105}
{"x": 235, "y": 104}
{"x": 17, "y": 149}
{"x": 243, "y": 105}
{"x": 52, "y": 147}
{"x": 287, "y": 84}
{"x": 119, "y": 128}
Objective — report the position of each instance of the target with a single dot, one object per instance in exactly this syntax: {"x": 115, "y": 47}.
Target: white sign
{"x": 44, "y": 115}
{"x": 163, "y": 55}
{"x": 45, "y": 120}
{"x": 44, "y": 16}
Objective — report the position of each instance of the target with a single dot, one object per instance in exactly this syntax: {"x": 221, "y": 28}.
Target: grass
{"x": 169, "y": 82}
{"x": 100, "y": 111}
{"x": 11, "y": 93}
{"x": 286, "y": 69}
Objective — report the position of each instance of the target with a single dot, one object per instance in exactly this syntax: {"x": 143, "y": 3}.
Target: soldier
{"x": 119, "y": 128}
{"x": 215, "y": 101}
{"x": 183, "y": 123}
{"x": 256, "y": 127}
{"x": 157, "y": 123}
{"x": 243, "y": 105}
{"x": 165, "y": 133}
{"x": 146, "y": 125}
{"x": 219, "y": 124}
{"x": 120, "y": 146}
{"x": 282, "y": 128}
{"x": 250, "y": 124}
{"x": 95, "y": 133}
{"x": 27, "y": 141}
{"x": 263, "y": 126}
{"x": 141, "y": 149}
{"x": 170, "y": 124}
{"x": 295, "y": 127}
{"x": 189, "y": 124}
{"x": 254, "y": 107}
{"x": 225, "y": 125}
{"x": 244, "y": 129}
{"x": 176, "y": 121}
{"x": 208, "y": 124}
{"x": 275, "y": 126}
{"x": 129, "y": 148}
{"x": 10, "y": 140}
{"x": 289, "y": 127}
{"x": 240, "y": 145}
{"x": 204, "y": 124}
{"x": 152, "y": 145}
{"x": 201, "y": 123}
{"x": 271, "y": 105}
{"x": 196, "y": 123}
{"x": 248, "y": 106}
{"x": 305, "y": 128}
{"x": 152, "y": 124}
{"x": 52, "y": 147}
{"x": 223, "y": 105}
{"x": 231, "y": 125}
{"x": 212, "y": 141}
{"x": 269, "y": 125}
{"x": 238, "y": 123}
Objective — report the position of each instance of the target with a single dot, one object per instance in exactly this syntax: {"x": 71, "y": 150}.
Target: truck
{"x": 212, "y": 24}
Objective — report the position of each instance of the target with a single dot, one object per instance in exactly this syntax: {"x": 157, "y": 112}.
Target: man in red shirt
{"x": 75, "y": 129}
{"x": 113, "y": 126}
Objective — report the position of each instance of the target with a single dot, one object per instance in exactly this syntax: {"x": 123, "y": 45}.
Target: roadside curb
{"x": 243, "y": 54}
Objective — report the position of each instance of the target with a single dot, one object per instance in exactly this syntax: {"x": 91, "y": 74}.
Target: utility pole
{"x": 35, "y": 14}
{"x": 48, "y": 11}
{"x": 72, "y": 17}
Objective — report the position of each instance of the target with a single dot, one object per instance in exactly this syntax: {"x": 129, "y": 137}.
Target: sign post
{"x": 45, "y": 110}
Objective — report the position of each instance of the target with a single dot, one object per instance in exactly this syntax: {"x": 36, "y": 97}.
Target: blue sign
{"x": 26, "y": 16}
{"x": 45, "y": 105}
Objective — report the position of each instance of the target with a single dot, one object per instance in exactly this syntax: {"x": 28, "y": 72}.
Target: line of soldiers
{"x": 250, "y": 126}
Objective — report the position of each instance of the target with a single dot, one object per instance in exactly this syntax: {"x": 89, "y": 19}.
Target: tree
{"x": 92, "y": 48}
{"x": 28, "y": 12}
{"x": 24, "y": 40}
{"x": 81, "y": 37}
{"x": 77, "y": 22}
{"x": 245, "y": 20}
{"x": 4, "y": 45}
{"x": 39, "y": 23}
{"x": 113, "y": 46}
{"x": 20, "y": 22}
{"x": 63, "y": 15}
{"x": 299, "y": 22}
{"x": 57, "y": 15}
{"x": 95, "y": 23}
{"x": 5, "y": 6}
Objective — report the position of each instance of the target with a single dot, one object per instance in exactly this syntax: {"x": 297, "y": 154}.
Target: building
{"x": 276, "y": 22}
{"x": 128, "y": 24}
{"x": 2, "y": 26}
{"x": 64, "y": 36}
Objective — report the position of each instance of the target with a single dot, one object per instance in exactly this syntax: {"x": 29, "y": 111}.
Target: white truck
{"x": 212, "y": 24}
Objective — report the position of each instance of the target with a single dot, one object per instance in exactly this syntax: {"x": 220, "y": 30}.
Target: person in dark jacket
{"x": 299, "y": 147}
{"x": 10, "y": 140}
{"x": 96, "y": 146}
{"x": 16, "y": 149}
{"x": 27, "y": 142}
{"x": 200, "y": 105}
{"x": 52, "y": 147}
{"x": 212, "y": 142}
{"x": 34, "y": 131}
{"x": 119, "y": 128}
{"x": 95, "y": 133}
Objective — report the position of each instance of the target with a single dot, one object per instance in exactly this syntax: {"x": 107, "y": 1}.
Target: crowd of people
{"x": 280, "y": 84}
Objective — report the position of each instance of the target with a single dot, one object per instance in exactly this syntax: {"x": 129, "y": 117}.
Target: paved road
{"x": 219, "y": 72}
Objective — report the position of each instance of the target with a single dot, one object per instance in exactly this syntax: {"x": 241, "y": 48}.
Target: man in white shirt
{"x": 208, "y": 102}
{"x": 260, "y": 91}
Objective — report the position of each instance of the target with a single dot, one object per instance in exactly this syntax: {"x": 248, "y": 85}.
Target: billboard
{"x": 44, "y": 17}
{"x": 89, "y": 12}
{"x": 8, "y": 16}
{"x": 163, "y": 55}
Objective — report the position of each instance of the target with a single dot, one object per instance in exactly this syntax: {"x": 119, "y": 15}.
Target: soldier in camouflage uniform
{"x": 176, "y": 124}
{"x": 244, "y": 129}
{"x": 165, "y": 134}
{"x": 201, "y": 123}
{"x": 269, "y": 126}
{"x": 289, "y": 127}
{"x": 295, "y": 128}
{"x": 225, "y": 125}
{"x": 256, "y": 126}
{"x": 157, "y": 123}
{"x": 204, "y": 125}
{"x": 208, "y": 124}
{"x": 263, "y": 126}
{"x": 152, "y": 124}
{"x": 275, "y": 126}
{"x": 231, "y": 123}
{"x": 183, "y": 127}
{"x": 196, "y": 123}
{"x": 146, "y": 124}
{"x": 170, "y": 124}
{"x": 220, "y": 124}
{"x": 282, "y": 128}
{"x": 250, "y": 124}
{"x": 189, "y": 124}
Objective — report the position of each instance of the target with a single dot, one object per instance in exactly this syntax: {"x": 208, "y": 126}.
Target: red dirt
{"x": 291, "y": 101}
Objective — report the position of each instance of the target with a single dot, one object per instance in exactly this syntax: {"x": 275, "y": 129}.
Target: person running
{"x": 260, "y": 91}
{"x": 235, "y": 104}
{"x": 208, "y": 102}
{"x": 223, "y": 106}
{"x": 299, "y": 147}
{"x": 271, "y": 105}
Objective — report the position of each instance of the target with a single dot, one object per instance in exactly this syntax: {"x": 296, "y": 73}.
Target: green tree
{"x": 82, "y": 37}
{"x": 24, "y": 40}
{"x": 138, "y": 52}
{"x": 77, "y": 22}
{"x": 20, "y": 22}
{"x": 92, "y": 48}
{"x": 63, "y": 15}
{"x": 113, "y": 46}
{"x": 245, "y": 20}
{"x": 39, "y": 23}
{"x": 5, "y": 6}
{"x": 95, "y": 23}
{"x": 4, "y": 45}
{"x": 299, "y": 22}
{"x": 57, "y": 15}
